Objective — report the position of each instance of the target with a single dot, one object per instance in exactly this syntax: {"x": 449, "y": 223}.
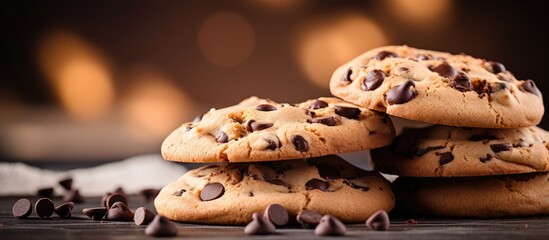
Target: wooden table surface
{"x": 81, "y": 227}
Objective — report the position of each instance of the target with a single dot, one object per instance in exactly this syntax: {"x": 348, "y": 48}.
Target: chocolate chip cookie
{"x": 444, "y": 151}
{"x": 478, "y": 197}
{"x": 263, "y": 130}
{"x": 438, "y": 87}
{"x": 229, "y": 193}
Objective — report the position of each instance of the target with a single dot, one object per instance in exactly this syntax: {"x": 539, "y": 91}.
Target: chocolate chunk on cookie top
{"x": 230, "y": 193}
{"x": 444, "y": 151}
{"x": 262, "y": 130}
{"x": 438, "y": 87}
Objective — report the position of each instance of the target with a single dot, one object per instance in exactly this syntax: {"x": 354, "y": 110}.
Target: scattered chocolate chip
{"x": 278, "y": 182}
{"x": 316, "y": 184}
{"x": 73, "y": 196}
{"x": 445, "y": 158}
{"x": 483, "y": 136}
{"x": 143, "y": 216}
{"x": 444, "y": 70}
{"x": 379, "y": 221}
{"x": 45, "y": 192}
{"x": 385, "y": 54}
{"x": 318, "y": 104}
{"x": 265, "y": 107}
{"x": 505, "y": 76}
{"x": 161, "y": 227}
{"x": 300, "y": 143}
{"x": 104, "y": 199}
{"x": 211, "y": 191}
{"x": 348, "y": 112}
{"x": 329, "y": 121}
{"x": 114, "y": 198}
{"x": 373, "y": 80}
{"x": 496, "y": 67}
{"x": 44, "y": 207}
{"x": 149, "y": 194}
{"x": 22, "y": 208}
{"x": 277, "y": 214}
{"x": 501, "y": 147}
{"x": 530, "y": 86}
{"x": 95, "y": 214}
{"x": 119, "y": 212}
{"x": 272, "y": 144}
{"x": 482, "y": 88}
{"x": 418, "y": 152}
{"x": 64, "y": 210}
{"x": 330, "y": 226}
{"x": 402, "y": 93}
{"x": 66, "y": 183}
{"x": 461, "y": 82}
{"x": 259, "y": 226}
{"x": 255, "y": 126}
{"x": 486, "y": 159}
{"x": 222, "y": 137}
{"x": 423, "y": 57}
{"x": 308, "y": 218}
{"x": 179, "y": 192}
{"x": 346, "y": 77}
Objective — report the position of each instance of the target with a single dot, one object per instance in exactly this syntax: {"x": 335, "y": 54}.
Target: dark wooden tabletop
{"x": 81, "y": 227}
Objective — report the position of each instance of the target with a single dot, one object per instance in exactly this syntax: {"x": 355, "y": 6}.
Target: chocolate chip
{"x": 119, "y": 212}
{"x": 104, "y": 199}
{"x": 143, "y": 216}
{"x": 149, "y": 194}
{"x": 445, "y": 157}
{"x": 486, "y": 159}
{"x": 44, "y": 207}
{"x": 265, "y": 107}
{"x": 45, "y": 192}
{"x": 64, "y": 210}
{"x": 482, "y": 88}
{"x": 211, "y": 191}
{"x": 300, "y": 143}
{"x": 222, "y": 137}
{"x": 318, "y": 104}
{"x": 379, "y": 221}
{"x": 423, "y": 57}
{"x": 277, "y": 214}
{"x": 95, "y": 213}
{"x": 385, "y": 54}
{"x": 329, "y": 121}
{"x": 316, "y": 184}
{"x": 444, "y": 70}
{"x": 161, "y": 227}
{"x": 73, "y": 196}
{"x": 530, "y": 86}
{"x": 346, "y": 77}
{"x": 255, "y": 126}
{"x": 418, "y": 152}
{"x": 308, "y": 218}
{"x": 179, "y": 192}
{"x": 330, "y": 226}
{"x": 278, "y": 182}
{"x": 22, "y": 208}
{"x": 461, "y": 82}
{"x": 501, "y": 147}
{"x": 402, "y": 93}
{"x": 259, "y": 226}
{"x": 373, "y": 80}
{"x": 496, "y": 67}
{"x": 114, "y": 198}
{"x": 482, "y": 137}
{"x": 272, "y": 144}
{"x": 66, "y": 183}
{"x": 348, "y": 112}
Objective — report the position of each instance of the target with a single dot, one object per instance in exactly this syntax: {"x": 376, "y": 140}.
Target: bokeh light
{"x": 420, "y": 13}
{"x": 329, "y": 42}
{"x": 226, "y": 39}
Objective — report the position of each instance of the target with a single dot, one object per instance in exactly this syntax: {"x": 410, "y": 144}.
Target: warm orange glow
{"x": 326, "y": 44}
{"x": 423, "y": 12}
{"x": 278, "y": 5}
{"x": 226, "y": 39}
{"x": 79, "y": 75}
{"x": 152, "y": 105}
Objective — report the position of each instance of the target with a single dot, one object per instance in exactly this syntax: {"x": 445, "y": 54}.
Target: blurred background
{"x": 97, "y": 81}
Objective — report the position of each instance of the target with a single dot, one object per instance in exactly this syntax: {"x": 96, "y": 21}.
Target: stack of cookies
{"x": 482, "y": 156}
{"x": 264, "y": 153}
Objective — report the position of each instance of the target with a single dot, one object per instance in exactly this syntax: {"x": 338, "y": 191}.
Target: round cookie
{"x": 476, "y": 197}
{"x": 444, "y": 151}
{"x": 229, "y": 193}
{"x": 262, "y": 130}
{"x": 438, "y": 87}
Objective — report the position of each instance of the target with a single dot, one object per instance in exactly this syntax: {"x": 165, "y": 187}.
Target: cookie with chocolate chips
{"x": 263, "y": 130}
{"x": 438, "y": 87}
{"x": 516, "y": 195}
{"x": 229, "y": 193}
{"x": 444, "y": 151}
